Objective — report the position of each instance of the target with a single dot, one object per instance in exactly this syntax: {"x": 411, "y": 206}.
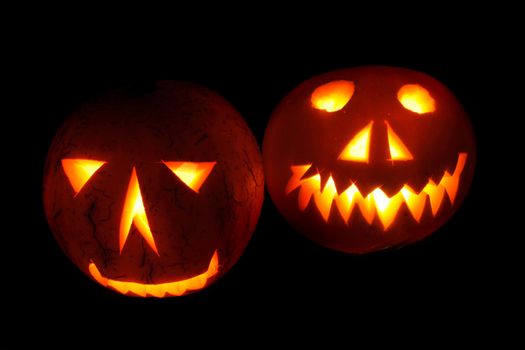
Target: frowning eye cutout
{"x": 416, "y": 98}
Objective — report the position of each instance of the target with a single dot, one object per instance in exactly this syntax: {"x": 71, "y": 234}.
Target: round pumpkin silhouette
{"x": 154, "y": 192}
{"x": 368, "y": 158}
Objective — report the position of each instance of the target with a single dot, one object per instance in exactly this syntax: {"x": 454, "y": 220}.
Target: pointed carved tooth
{"x": 309, "y": 187}
{"x": 345, "y": 202}
{"x": 295, "y": 180}
{"x": 386, "y": 207}
{"x": 324, "y": 199}
{"x": 213, "y": 268}
{"x": 367, "y": 207}
{"x": 435, "y": 193}
{"x": 376, "y": 201}
{"x": 137, "y": 288}
{"x": 462, "y": 160}
{"x": 451, "y": 182}
{"x": 121, "y": 287}
{"x": 415, "y": 202}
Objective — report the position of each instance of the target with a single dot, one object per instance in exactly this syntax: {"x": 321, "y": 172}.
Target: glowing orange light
{"x": 435, "y": 194}
{"x": 177, "y": 288}
{"x": 386, "y": 207}
{"x": 376, "y": 202}
{"x": 333, "y": 96}
{"x": 192, "y": 174}
{"x": 79, "y": 171}
{"x": 415, "y": 202}
{"x": 324, "y": 199}
{"x": 298, "y": 172}
{"x": 134, "y": 212}
{"x": 346, "y": 201}
{"x": 398, "y": 150}
{"x": 416, "y": 98}
{"x": 358, "y": 148}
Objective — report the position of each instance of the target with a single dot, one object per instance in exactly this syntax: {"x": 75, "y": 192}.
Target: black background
{"x": 450, "y": 276}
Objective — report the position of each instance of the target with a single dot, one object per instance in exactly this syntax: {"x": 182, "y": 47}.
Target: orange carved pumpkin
{"x": 368, "y": 158}
{"x": 155, "y": 194}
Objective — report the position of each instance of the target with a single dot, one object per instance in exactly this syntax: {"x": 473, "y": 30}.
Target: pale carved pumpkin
{"x": 368, "y": 158}
{"x": 155, "y": 194}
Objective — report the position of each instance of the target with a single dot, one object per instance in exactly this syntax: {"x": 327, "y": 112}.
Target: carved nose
{"x": 135, "y": 213}
{"x": 358, "y": 149}
{"x": 398, "y": 150}
{"x": 192, "y": 174}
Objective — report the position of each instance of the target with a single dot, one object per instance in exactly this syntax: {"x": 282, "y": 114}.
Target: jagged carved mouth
{"x": 160, "y": 290}
{"x": 376, "y": 201}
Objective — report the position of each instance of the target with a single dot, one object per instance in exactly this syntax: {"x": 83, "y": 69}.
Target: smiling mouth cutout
{"x": 160, "y": 290}
{"x": 376, "y": 201}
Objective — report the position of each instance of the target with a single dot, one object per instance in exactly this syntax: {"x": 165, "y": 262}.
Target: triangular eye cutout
{"x": 192, "y": 174}
{"x": 358, "y": 148}
{"x": 398, "y": 150}
{"x": 79, "y": 171}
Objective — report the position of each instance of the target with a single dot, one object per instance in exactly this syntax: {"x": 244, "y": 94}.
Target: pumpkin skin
{"x": 363, "y": 206}
{"x": 197, "y": 233}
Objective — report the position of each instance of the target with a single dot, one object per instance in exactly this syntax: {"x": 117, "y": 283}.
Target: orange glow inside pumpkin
{"x": 358, "y": 148}
{"x": 333, "y": 96}
{"x": 398, "y": 150}
{"x": 79, "y": 171}
{"x": 376, "y": 202}
{"x": 158, "y": 290}
{"x": 134, "y": 212}
{"x": 416, "y": 98}
{"x": 192, "y": 174}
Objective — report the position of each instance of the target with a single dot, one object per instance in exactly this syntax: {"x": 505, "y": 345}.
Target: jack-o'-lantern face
{"x": 154, "y": 195}
{"x": 193, "y": 175}
{"x": 368, "y": 158}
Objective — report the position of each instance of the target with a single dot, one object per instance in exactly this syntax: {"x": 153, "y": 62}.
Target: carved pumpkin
{"x": 154, "y": 194}
{"x": 368, "y": 158}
